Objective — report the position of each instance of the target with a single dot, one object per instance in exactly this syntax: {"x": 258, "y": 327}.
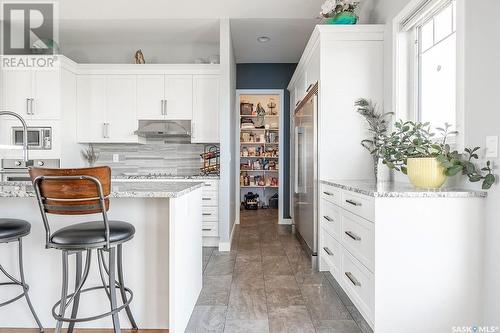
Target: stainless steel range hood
{"x": 168, "y": 130}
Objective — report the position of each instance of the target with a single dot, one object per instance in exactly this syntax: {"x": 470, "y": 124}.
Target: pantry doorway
{"x": 259, "y": 135}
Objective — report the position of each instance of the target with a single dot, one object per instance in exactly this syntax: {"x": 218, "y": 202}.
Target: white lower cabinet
{"x": 410, "y": 261}
{"x": 210, "y": 209}
{"x": 346, "y": 247}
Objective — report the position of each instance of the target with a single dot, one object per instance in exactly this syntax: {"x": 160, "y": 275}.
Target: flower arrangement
{"x": 332, "y": 8}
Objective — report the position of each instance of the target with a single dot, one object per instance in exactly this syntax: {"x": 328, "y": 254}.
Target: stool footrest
{"x": 79, "y": 320}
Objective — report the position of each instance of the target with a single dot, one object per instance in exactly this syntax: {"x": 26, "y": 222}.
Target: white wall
{"x": 227, "y": 140}
{"x": 482, "y": 117}
{"x": 123, "y": 53}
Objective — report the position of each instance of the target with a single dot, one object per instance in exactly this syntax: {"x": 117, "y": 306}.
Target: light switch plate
{"x": 116, "y": 158}
{"x": 492, "y": 146}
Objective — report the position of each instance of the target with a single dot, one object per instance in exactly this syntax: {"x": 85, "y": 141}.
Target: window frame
{"x": 406, "y": 89}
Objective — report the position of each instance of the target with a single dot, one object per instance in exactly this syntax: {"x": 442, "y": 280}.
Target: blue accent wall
{"x": 272, "y": 76}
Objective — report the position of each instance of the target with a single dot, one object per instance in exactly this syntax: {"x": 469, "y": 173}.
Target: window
{"x": 436, "y": 67}
{"x": 428, "y": 63}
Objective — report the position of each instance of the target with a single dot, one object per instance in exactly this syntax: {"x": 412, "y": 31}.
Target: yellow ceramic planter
{"x": 425, "y": 172}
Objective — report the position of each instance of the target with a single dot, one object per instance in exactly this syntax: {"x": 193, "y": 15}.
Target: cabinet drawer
{"x": 358, "y": 237}
{"x": 358, "y": 283}
{"x": 330, "y": 218}
{"x": 210, "y": 199}
{"x": 210, "y": 214}
{"x": 331, "y": 194}
{"x": 210, "y": 186}
{"x": 210, "y": 229}
{"x": 330, "y": 251}
{"x": 359, "y": 204}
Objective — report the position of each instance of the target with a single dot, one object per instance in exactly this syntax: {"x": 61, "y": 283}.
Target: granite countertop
{"x": 164, "y": 177}
{"x": 401, "y": 190}
{"x": 120, "y": 189}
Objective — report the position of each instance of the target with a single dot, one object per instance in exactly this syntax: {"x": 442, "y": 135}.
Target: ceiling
{"x": 288, "y": 39}
{"x": 169, "y": 9}
{"x": 289, "y": 23}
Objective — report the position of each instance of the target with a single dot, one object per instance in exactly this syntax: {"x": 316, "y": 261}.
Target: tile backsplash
{"x": 173, "y": 159}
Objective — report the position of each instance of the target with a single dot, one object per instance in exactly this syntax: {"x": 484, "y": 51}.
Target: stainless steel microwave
{"x": 39, "y": 138}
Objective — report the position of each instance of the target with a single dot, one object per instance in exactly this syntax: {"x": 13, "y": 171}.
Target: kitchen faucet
{"x": 25, "y": 132}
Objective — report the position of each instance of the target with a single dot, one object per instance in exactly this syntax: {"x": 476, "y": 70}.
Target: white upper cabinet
{"x": 106, "y": 108}
{"x": 165, "y": 97}
{"x": 121, "y": 118}
{"x": 150, "y": 96}
{"x": 178, "y": 97}
{"x": 205, "y": 109}
{"x": 16, "y": 90}
{"x": 33, "y": 94}
{"x": 91, "y": 108}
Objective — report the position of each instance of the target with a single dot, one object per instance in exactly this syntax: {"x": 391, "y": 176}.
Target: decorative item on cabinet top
{"x": 339, "y": 12}
{"x": 139, "y": 57}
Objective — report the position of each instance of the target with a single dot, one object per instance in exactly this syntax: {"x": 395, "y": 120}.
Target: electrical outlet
{"x": 492, "y": 146}
{"x": 116, "y": 158}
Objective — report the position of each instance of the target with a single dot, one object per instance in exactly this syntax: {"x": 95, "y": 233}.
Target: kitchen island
{"x": 163, "y": 262}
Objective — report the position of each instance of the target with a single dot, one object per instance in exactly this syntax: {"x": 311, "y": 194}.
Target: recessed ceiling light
{"x": 263, "y": 39}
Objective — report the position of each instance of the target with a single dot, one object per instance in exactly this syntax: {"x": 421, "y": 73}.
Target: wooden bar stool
{"x": 13, "y": 230}
{"x": 83, "y": 192}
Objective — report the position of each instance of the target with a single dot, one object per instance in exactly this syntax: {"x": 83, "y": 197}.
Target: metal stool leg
{"x": 122, "y": 287}
{"x": 25, "y": 286}
{"x": 64, "y": 291}
{"x": 76, "y": 300}
{"x": 112, "y": 288}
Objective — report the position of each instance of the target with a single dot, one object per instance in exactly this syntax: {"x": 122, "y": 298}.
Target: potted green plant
{"x": 339, "y": 11}
{"x": 412, "y": 149}
{"x": 377, "y": 126}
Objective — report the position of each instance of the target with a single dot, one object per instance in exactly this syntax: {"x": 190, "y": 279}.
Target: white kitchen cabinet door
{"x": 179, "y": 97}
{"x": 150, "y": 96}
{"x": 121, "y": 117}
{"x": 205, "y": 123}
{"x": 17, "y": 86}
{"x": 91, "y": 108}
{"x": 46, "y": 94}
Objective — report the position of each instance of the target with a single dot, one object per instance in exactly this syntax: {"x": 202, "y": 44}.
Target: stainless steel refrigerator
{"x": 305, "y": 170}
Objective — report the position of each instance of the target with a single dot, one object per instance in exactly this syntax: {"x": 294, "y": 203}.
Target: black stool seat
{"x": 13, "y": 228}
{"x": 89, "y": 234}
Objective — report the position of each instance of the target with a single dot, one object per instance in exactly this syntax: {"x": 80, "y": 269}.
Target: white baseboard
{"x": 285, "y": 221}
{"x": 226, "y": 246}
{"x": 210, "y": 241}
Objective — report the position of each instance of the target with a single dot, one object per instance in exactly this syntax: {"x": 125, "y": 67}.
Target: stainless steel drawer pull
{"x": 206, "y": 199}
{"x": 206, "y": 229}
{"x": 352, "y": 202}
{"x": 353, "y": 235}
{"x": 309, "y": 88}
{"x": 353, "y": 280}
{"x": 328, "y": 193}
{"x": 328, "y": 218}
{"x": 327, "y": 250}
{"x": 206, "y": 214}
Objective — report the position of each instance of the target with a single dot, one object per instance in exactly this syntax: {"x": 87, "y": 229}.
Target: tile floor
{"x": 266, "y": 284}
